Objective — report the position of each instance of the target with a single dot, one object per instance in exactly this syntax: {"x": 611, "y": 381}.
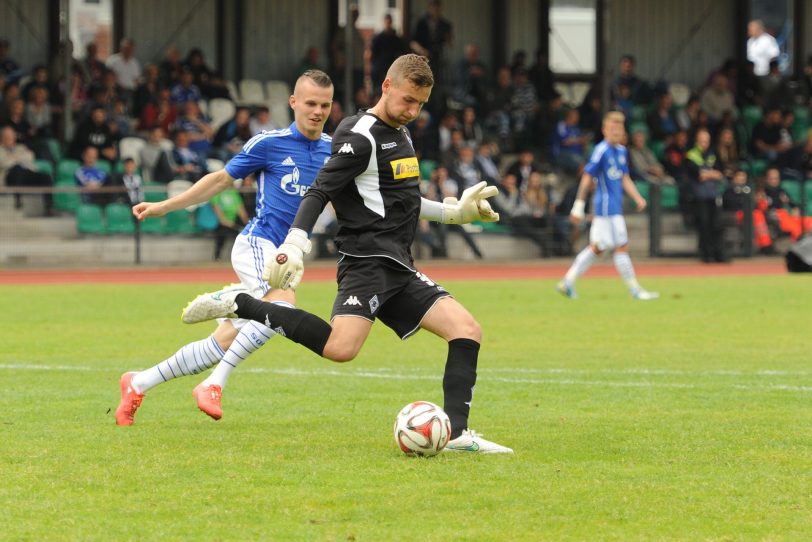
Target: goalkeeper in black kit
{"x": 372, "y": 181}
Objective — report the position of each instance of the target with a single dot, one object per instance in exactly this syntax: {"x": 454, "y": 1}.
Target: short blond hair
{"x": 614, "y": 116}
{"x": 413, "y": 68}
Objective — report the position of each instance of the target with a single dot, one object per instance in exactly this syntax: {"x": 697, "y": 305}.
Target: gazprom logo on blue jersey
{"x": 290, "y": 184}
{"x": 614, "y": 173}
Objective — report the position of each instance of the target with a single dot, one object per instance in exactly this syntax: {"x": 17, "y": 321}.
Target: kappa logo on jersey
{"x": 346, "y": 148}
{"x": 391, "y": 145}
{"x": 405, "y": 168}
{"x": 373, "y": 304}
{"x": 290, "y": 184}
{"x": 352, "y": 300}
{"x": 288, "y": 161}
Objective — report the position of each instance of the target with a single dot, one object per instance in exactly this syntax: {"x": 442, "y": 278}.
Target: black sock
{"x": 458, "y": 382}
{"x": 297, "y": 325}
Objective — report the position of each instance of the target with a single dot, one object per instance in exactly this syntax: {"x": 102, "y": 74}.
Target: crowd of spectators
{"x": 507, "y": 125}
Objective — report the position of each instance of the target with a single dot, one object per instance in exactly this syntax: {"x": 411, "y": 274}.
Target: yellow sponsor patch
{"x": 405, "y": 167}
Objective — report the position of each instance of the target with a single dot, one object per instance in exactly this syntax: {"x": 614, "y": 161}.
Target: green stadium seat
{"x": 427, "y": 167}
{"x": 801, "y": 114}
{"x": 89, "y": 219}
{"x": 758, "y": 168}
{"x": 119, "y": 218}
{"x": 638, "y": 127}
{"x": 752, "y": 115}
{"x": 153, "y": 225}
{"x": 205, "y": 219}
{"x": 105, "y": 166}
{"x": 154, "y": 192}
{"x": 55, "y": 149}
{"x": 669, "y": 197}
{"x": 44, "y": 166}
{"x": 658, "y": 148}
{"x": 793, "y": 189}
{"x": 639, "y": 113}
{"x": 66, "y": 169}
{"x": 493, "y": 227}
{"x": 644, "y": 188}
{"x": 179, "y": 221}
{"x": 66, "y": 201}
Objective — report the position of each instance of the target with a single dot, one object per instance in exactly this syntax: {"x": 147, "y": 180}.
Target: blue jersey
{"x": 287, "y": 163}
{"x": 608, "y": 164}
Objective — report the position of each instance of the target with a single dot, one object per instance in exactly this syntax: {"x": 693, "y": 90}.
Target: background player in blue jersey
{"x": 608, "y": 171}
{"x": 286, "y": 162}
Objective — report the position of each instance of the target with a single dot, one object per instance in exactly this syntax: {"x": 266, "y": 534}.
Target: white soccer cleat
{"x": 213, "y": 305}
{"x": 645, "y": 295}
{"x": 472, "y": 442}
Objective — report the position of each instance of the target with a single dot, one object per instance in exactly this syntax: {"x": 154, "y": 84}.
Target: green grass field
{"x": 687, "y": 418}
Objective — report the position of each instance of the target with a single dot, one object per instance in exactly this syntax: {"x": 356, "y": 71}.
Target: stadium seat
{"x": 793, "y": 189}
{"x": 669, "y": 197}
{"x": 564, "y": 90}
{"x": 752, "y": 115}
{"x": 89, "y": 219}
{"x": 203, "y": 104}
{"x": 119, "y": 218}
{"x": 280, "y": 112}
{"x": 154, "y": 192}
{"x": 66, "y": 169}
{"x": 153, "y": 225}
{"x": 233, "y": 92}
{"x": 105, "y": 166}
{"x": 66, "y": 201}
{"x": 639, "y": 113}
{"x": 221, "y": 111}
{"x": 758, "y": 168}
{"x": 44, "y": 166}
{"x": 213, "y": 164}
{"x": 427, "y": 168}
{"x": 578, "y": 90}
{"x": 277, "y": 90}
{"x": 680, "y": 93}
{"x": 54, "y": 148}
{"x": 644, "y": 188}
{"x": 251, "y": 92}
{"x": 205, "y": 219}
{"x": 658, "y": 148}
{"x": 167, "y": 145}
{"x": 130, "y": 147}
{"x": 179, "y": 221}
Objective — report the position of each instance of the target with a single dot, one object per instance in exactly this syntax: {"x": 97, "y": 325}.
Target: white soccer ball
{"x": 422, "y": 428}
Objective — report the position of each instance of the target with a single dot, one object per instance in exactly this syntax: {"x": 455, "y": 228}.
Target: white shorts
{"x": 608, "y": 232}
{"x": 248, "y": 259}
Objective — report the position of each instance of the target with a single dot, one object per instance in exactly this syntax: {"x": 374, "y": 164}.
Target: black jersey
{"x": 372, "y": 180}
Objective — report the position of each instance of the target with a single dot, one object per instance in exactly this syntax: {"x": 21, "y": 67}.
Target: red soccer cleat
{"x": 130, "y": 400}
{"x": 208, "y": 399}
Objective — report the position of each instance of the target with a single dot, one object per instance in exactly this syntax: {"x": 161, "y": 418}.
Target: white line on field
{"x": 387, "y": 374}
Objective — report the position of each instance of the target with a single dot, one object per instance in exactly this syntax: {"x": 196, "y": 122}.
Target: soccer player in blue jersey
{"x": 287, "y": 161}
{"x": 608, "y": 171}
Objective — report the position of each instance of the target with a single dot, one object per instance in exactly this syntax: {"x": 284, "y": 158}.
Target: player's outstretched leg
{"x": 191, "y": 359}
{"x": 582, "y": 263}
{"x": 623, "y": 264}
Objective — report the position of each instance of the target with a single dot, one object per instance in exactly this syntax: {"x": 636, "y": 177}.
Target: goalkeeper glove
{"x": 286, "y": 268}
{"x": 471, "y": 206}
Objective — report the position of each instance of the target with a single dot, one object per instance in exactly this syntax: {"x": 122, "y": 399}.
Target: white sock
{"x": 623, "y": 264}
{"x": 251, "y": 337}
{"x": 191, "y": 359}
{"x": 582, "y": 262}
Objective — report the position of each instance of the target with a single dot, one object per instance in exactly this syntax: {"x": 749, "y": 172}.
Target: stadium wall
{"x": 472, "y": 24}
{"x": 657, "y": 32}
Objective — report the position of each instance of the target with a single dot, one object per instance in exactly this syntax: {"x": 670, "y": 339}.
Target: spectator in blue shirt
{"x": 568, "y": 143}
{"x": 91, "y": 178}
{"x": 185, "y": 90}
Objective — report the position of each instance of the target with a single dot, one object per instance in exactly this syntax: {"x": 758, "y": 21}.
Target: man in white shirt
{"x": 125, "y": 65}
{"x": 761, "y": 47}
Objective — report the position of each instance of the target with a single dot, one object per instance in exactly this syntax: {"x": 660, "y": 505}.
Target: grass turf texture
{"x": 685, "y": 418}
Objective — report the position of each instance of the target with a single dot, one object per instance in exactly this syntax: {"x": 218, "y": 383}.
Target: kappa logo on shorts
{"x": 373, "y": 304}
{"x": 405, "y": 168}
{"x": 346, "y": 148}
{"x": 352, "y": 300}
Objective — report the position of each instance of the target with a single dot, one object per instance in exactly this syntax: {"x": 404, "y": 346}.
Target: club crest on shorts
{"x": 373, "y": 304}
{"x": 281, "y": 259}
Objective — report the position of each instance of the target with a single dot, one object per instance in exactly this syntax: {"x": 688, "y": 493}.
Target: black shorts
{"x": 378, "y": 287}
